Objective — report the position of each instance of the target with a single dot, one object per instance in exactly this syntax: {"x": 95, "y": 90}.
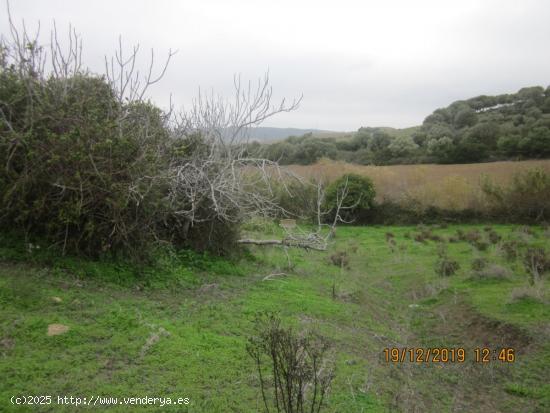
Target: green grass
{"x": 178, "y": 328}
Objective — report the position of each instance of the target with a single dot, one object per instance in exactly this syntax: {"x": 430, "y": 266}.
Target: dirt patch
{"x": 6, "y": 344}
{"x": 464, "y": 325}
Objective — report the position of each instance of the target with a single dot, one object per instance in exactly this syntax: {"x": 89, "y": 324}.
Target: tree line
{"x": 480, "y": 129}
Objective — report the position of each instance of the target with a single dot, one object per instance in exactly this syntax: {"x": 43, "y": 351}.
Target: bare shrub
{"x": 510, "y": 249}
{"x": 340, "y": 259}
{"x": 479, "y": 263}
{"x": 420, "y": 238}
{"x": 481, "y": 245}
{"x": 525, "y": 293}
{"x": 293, "y": 370}
{"x": 536, "y": 262}
{"x": 445, "y": 266}
{"x": 493, "y": 237}
{"x": 524, "y": 229}
{"x": 493, "y": 272}
{"x": 472, "y": 236}
{"x": 426, "y": 233}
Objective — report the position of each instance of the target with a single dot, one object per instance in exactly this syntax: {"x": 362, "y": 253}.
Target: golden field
{"x": 454, "y": 186}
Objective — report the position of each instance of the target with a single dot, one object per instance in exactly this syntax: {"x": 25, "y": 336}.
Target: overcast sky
{"x": 357, "y": 63}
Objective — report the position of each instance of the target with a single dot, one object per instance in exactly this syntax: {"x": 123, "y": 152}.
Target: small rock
{"x": 56, "y": 299}
{"x": 57, "y": 329}
{"x": 413, "y": 306}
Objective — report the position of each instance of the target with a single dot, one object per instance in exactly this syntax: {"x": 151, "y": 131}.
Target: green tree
{"x": 358, "y": 192}
{"x": 402, "y": 146}
{"x": 465, "y": 117}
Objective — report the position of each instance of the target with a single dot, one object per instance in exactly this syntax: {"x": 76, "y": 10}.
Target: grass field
{"x": 452, "y": 187}
{"x": 179, "y": 329}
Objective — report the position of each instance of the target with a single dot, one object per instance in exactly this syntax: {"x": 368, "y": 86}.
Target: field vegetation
{"x": 456, "y": 188}
{"x": 180, "y": 328}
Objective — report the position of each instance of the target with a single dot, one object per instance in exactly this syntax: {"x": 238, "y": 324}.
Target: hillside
{"x": 267, "y": 134}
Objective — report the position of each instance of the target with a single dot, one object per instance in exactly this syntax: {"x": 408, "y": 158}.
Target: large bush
{"x": 88, "y": 164}
{"x": 80, "y": 169}
{"x": 356, "y": 194}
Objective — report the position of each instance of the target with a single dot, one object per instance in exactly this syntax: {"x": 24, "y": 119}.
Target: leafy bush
{"x": 82, "y": 171}
{"x": 359, "y": 196}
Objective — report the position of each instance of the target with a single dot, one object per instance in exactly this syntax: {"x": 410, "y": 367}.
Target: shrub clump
{"x": 525, "y": 293}
{"x": 359, "y": 195}
{"x": 292, "y": 369}
{"x": 479, "y": 263}
{"x": 492, "y": 272}
{"x": 445, "y": 266}
{"x": 510, "y": 249}
{"x": 340, "y": 259}
{"x": 537, "y": 263}
{"x": 526, "y": 199}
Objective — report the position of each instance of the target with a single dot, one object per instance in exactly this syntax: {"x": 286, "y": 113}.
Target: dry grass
{"x": 446, "y": 186}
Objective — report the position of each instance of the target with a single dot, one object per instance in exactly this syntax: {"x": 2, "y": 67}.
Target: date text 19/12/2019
{"x": 449, "y": 355}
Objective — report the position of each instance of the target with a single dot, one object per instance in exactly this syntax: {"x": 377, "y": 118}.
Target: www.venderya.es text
{"x": 99, "y": 400}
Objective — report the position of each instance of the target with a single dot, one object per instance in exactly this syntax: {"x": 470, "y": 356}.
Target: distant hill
{"x": 267, "y": 134}
{"x": 395, "y": 132}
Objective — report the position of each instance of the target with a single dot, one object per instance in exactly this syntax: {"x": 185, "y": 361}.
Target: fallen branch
{"x": 316, "y": 240}
{"x": 277, "y": 274}
{"x": 306, "y": 243}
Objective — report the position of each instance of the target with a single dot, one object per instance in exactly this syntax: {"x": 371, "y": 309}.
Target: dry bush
{"x": 294, "y": 371}
{"x": 340, "y": 259}
{"x": 472, "y": 236}
{"x": 493, "y": 236}
{"x": 445, "y": 266}
{"x": 510, "y": 249}
{"x": 420, "y": 238}
{"x": 480, "y": 245}
{"x": 479, "y": 263}
{"x": 526, "y": 293}
{"x": 537, "y": 263}
{"x": 492, "y": 272}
